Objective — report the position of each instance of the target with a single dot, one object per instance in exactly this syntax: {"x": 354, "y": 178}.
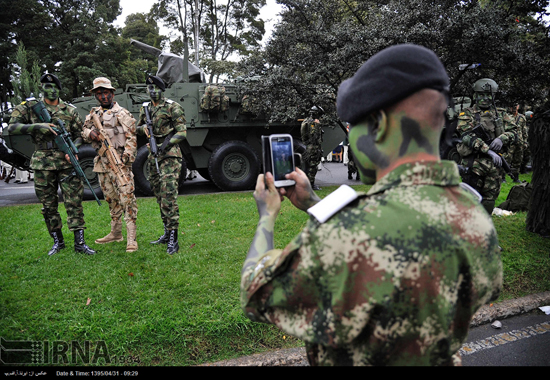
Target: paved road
{"x": 12, "y": 193}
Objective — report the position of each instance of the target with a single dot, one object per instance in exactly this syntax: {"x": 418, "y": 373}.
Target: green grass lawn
{"x": 181, "y": 309}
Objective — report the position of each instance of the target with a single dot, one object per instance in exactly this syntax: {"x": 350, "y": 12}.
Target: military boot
{"x": 131, "y": 243}
{"x": 163, "y": 239}
{"x": 173, "y": 245}
{"x": 58, "y": 242}
{"x": 114, "y": 235}
{"x": 80, "y": 244}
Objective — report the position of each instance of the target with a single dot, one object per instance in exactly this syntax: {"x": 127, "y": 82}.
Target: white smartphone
{"x": 282, "y": 158}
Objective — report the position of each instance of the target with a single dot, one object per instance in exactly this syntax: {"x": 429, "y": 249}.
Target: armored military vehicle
{"x": 223, "y": 147}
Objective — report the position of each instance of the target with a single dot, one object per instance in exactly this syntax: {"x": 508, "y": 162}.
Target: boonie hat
{"x": 102, "y": 82}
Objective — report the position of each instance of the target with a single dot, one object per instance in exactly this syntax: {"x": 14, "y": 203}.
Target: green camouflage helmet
{"x": 485, "y": 85}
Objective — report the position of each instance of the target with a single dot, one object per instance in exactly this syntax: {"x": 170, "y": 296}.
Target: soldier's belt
{"x": 46, "y": 146}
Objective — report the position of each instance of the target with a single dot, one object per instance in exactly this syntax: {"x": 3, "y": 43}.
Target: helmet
{"x": 317, "y": 110}
{"x": 485, "y": 85}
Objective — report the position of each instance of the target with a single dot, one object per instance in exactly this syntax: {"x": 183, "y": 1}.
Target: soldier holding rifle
{"x": 486, "y": 133}
{"x": 112, "y": 131}
{"x": 163, "y": 122}
{"x": 52, "y": 166}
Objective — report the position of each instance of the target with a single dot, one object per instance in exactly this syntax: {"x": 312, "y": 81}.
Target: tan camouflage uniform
{"x": 121, "y": 128}
{"x": 392, "y": 279}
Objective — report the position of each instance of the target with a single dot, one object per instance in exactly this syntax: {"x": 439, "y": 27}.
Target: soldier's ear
{"x": 381, "y": 126}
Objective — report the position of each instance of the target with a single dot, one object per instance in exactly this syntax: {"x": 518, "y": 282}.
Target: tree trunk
{"x": 538, "y": 216}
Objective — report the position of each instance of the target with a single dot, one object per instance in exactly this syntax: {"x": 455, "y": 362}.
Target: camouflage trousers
{"x": 487, "y": 180}
{"x": 121, "y": 199}
{"x": 46, "y": 183}
{"x": 165, "y": 188}
{"x": 514, "y": 157}
{"x": 312, "y": 159}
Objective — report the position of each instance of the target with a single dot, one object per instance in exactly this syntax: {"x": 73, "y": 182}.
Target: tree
{"x": 25, "y": 82}
{"x": 224, "y": 30}
{"x": 320, "y": 43}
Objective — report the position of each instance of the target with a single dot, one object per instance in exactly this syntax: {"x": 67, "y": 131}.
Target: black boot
{"x": 58, "y": 242}
{"x": 163, "y": 239}
{"x": 80, "y": 244}
{"x": 173, "y": 245}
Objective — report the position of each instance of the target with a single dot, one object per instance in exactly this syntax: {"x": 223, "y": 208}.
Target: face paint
{"x": 411, "y": 130}
{"x": 154, "y": 92}
{"x": 483, "y": 100}
{"x": 367, "y": 156}
{"x": 104, "y": 97}
{"x": 51, "y": 91}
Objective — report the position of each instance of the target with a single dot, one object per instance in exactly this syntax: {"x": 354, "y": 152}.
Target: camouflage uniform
{"x": 312, "y": 137}
{"x": 484, "y": 175}
{"x": 168, "y": 120}
{"x": 393, "y": 278}
{"x": 352, "y": 168}
{"x": 514, "y": 155}
{"x": 120, "y": 125}
{"x": 49, "y": 163}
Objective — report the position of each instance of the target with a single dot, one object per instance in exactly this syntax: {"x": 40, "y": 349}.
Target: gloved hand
{"x": 125, "y": 158}
{"x": 497, "y": 160}
{"x": 496, "y": 144}
{"x": 94, "y": 135}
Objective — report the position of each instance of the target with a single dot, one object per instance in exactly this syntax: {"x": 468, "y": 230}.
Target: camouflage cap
{"x": 50, "y": 78}
{"x": 388, "y": 77}
{"x": 102, "y": 82}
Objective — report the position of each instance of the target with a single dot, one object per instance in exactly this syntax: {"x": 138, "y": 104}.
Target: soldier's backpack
{"x": 214, "y": 99}
{"x": 247, "y": 105}
{"x": 518, "y": 198}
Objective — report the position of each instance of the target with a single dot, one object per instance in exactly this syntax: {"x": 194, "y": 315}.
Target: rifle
{"x": 149, "y": 133}
{"x": 107, "y": 150}
{"x": 64, "y": 143}
{"x": 482, "y": 134}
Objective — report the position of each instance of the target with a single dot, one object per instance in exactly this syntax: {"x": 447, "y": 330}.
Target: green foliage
{"x": 182, "y": 309}
{"x": 26, "y": 83}
{"x": 320, "y": 43}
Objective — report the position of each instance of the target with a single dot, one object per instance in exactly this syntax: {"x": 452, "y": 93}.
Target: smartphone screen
{"x": 282, "y": 154}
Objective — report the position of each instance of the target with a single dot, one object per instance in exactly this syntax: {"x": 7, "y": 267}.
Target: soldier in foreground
{"x": 391, "y": 277}
{"x": 52, "y": 168}
{"x": 167, "y": 121}
{"x": 112, "y": 131}
{"x": 485, "y": 131}
{"x": 312, "y": 136}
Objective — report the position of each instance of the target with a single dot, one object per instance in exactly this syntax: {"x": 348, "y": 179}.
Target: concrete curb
{"x": 297, "y": 356}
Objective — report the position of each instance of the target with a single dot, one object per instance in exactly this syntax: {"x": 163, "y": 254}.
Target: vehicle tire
{"x": 234, "y": 166}
{"x": 86, "y": 155}
{"x": 141, "y": 172}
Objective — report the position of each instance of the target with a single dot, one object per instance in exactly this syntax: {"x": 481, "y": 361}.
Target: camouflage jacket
{"x": 393, "y": 278}
{"x": 167, "y": 117}
{"x": 120, "y": 126}
{"x": 523, "y": 130}
{"x": 311, "y": 132}
{"x": 472, "y": 143}
{"x": 47, "y": 155}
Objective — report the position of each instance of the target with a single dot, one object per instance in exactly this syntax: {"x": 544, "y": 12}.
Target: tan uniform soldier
{"x": 112, "y": 131}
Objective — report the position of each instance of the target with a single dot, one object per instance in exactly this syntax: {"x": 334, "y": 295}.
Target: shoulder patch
{"x": 333, "y": 203}
{"x": 169, "y": 101}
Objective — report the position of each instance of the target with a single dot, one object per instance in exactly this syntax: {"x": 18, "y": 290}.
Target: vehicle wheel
{"x": 141, "y": 172}
{"x": 234, "y": 166}
{"x": 86, "y": 155}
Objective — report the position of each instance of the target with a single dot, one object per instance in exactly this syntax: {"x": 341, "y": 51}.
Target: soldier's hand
{"x": 301, "y": 194}
{"x": 47, "y": 128}
{"x": 497, "y": 160}
{"x": 69, "y": 158}
{"x": 94, "y": 135}
{"x": 496, "y": 145}
{"x": 266, "y": 195}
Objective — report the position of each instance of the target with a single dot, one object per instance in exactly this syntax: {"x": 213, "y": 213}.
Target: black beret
{"x": 50, "y": 78}
{"x": 156, "y": 80}
{"x": 386, "y": 78}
